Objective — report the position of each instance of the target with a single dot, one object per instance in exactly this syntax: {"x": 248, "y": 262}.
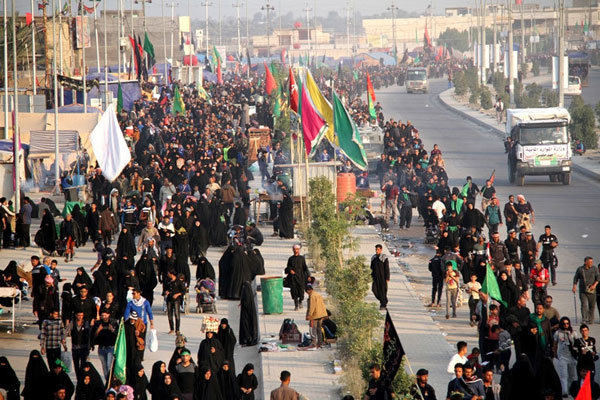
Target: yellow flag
{"x": 322, "y": 106}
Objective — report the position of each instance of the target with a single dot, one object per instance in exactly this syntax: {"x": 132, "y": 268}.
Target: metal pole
{"x": 83, "y": 60}
{"x": 348, "y": 28}
{"x": 172, "y": 28}
{"x": 105, "y": 61}
{"x": 247, "y": 32}
{"x": 308, "y": 10}
{"x": 220, "y": 38}
{"x": 5, "y": 53}
{"x": 33, "y": 48}
{"x": 268, "y": 7}
{"x": 55, "y": 90}
{"x": 16, "y": 135}
{"x": 522, "y": 35}
{"x": 144, "y": 28}
{"x": 119, "y": 35}
{"x": 162, "y": 10}
{"x": 511, "y": 60}
{"x": 96, "y": 37}
{"x": 60, "y": 57}
{"x": 495, "y": 38}
{"x": 393, "y": 9}
{"x": 206, "y": 4}
{"x": 239, "y": 40}
{"x": 561, "y": 54}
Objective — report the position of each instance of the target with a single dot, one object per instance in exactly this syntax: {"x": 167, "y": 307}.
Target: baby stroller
{"x": 206, "y": 296}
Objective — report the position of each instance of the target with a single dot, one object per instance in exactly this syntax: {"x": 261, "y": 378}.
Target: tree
{"x": 453, "y": 38}
{"x": 583, "y": 123}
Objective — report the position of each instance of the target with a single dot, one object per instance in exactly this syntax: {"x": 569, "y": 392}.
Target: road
{"x": 468, "y": 149}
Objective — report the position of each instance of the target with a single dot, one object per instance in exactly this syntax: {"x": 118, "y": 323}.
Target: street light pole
{"x": 561, "y": 54}
{"x": 16, "y": 135}
{"x": 237, "y": 6}
{"x": 348, "y": 9}
{"x": 511, "y": 60}
{"x": 82, "y": 59}
{"x": 55, "y": 94}
{"x": 308, "y": 10}
{"x": 5, "y": 62}
{"x": 393, "y": 9}
{"x": 33, "y": 49}
{"x": 268, "y": 7}
{"x": 206, "y": 4}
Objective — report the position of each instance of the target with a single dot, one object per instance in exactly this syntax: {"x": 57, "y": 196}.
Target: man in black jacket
{"x": 437, "y": 275}
{"x": 85, "y": 305}
{"x": 174, "y": 291}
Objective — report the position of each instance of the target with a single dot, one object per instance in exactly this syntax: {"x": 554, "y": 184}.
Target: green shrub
{"x": 583, "y": 123}
{"x": 597, "y": 110}
{"x": 475, "y": 97}
{"x": 460, "y": 83}
{"x": 499, "y": 82}
{"x": 472, "y": 79}
{"x": 535, "y": 69}
{"x": 549, "y": 97}
{"x": 486, "y": 98}
{"x": 523, "y": 68}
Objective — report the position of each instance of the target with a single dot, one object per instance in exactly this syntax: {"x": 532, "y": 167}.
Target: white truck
{"x": 540, "y": 144}
{"x": 416, "y": 80}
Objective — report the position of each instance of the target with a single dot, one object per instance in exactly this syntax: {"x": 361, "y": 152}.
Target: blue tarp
{"x": 131, "y": 92}
{"x": 7, "y": 145}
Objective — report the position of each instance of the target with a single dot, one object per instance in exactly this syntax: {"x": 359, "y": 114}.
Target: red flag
{"x": 28, "y": 18}
{"x": 270, "y": 81}
{"x": 219, "y": 73}
{"x": 283, "y": 55}
{"x": 518, "y": 2}
{"x": 135, "y": 58}
{"x": 427, "y": 38}
{"x": 585, "y": 391}
{"x": 293, "y": 92}
{"x": 493, "y": 177}
{"x": 370, "y": 90}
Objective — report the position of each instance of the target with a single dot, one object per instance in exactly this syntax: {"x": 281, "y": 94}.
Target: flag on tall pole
{"x": 149, "y": 49}
{"x": 492, "y": 177}
{"x": 371, "y": 97}
{"x": 120, "y": 361}
{"x": 313, "y": 124}
{"x": 426, "y": 38}
{"x": 293, "y": 92}
{"x": 392, "y": 349}
{"x": 321, "y": 105}
{"x": 270, "y": 83}
{"x": 119, "y": 98}
{"x": 348, "y": 135}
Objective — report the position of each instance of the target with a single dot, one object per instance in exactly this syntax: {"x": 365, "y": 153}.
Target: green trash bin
{"x": 272, "y": 294}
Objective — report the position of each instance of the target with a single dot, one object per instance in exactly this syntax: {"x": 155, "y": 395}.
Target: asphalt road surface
{"x": 468, "y": 149}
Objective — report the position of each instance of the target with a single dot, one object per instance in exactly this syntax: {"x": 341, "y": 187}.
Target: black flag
{"x": 248, "y": 57}
{"x": 392, "y": 349}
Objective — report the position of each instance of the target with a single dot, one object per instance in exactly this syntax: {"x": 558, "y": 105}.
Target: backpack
{"x": 289, "y": 333}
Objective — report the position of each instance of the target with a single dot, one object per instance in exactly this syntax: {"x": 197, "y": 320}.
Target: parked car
{"x": 574, "y": 86}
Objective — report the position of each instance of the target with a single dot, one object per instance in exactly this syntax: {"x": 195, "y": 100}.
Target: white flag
{"x": 109, "y": 145}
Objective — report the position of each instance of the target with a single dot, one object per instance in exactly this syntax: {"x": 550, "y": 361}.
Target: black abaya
{"x": 53, "y": 381}
{"x": 156, "y": 379}
{"x": 233, "y": 270}
{"x": 139, "y": 384}
{"x": 228, "y": 341}
{"x": 204, "y": 269}
{"x": 9, "y": 380}
{"x": 380, "y": 273}
{"x": 36, "y": 368}
{"x": 48, "y": 229}
{"x": 206, "y": 357}
{"x": 286, "y": 217}
{"x": 248, "y": 382}
{"x": 207, "y": 389}
{"x": 248, "y": 317}
{"x": 198, "y": 241}
{"x": 228, "y": 384}
{"x": 146, "y": 275}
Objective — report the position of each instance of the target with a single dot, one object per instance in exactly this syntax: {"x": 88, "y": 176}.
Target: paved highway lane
{"x": 572, "y": 211}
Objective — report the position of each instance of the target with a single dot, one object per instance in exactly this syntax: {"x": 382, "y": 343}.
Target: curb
{"x": 582, "y": 170}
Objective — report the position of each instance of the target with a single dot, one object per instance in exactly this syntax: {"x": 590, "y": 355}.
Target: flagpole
{"x": 16, "y": 136}
{"x": 334, "y": 159}
{"x": 5, "y": 54}
{"x": 105, "y": 61}
{"x": 96, "y": 35}
{"x": 83, "y": 61}
{"x": 33, "y": 48}
{"x": 60, "y": 54}
{"x": 55, "y": 90}
{"x": 119, "y": 34}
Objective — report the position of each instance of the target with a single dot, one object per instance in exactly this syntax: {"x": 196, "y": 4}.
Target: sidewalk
{"x": 588, "y": 165}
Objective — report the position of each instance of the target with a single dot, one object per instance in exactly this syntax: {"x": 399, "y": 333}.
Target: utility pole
{"x": 33, "y": 48}
{"x": 105, "y": 59}
{"x": 393, "y": 9}
{"x": 495, "y": 61}
{"x": 60, "y": 57}
{"x": 162, "y": 11}
{"x": 561, "y": 54}
{"x": 482, "y": 41}
{"x": 16, "y": 134}
{"x": 82, "y": 59}
{"x": 511, "y": 60}
{"x": 206, "y": 4}
{"x": 308, "y": 10}
{"x": 268, "y": 7}
{"x": 237, "y": 6}
{"x": 95, "y": 5}
{"x": 119, "y": 35}
{"x": 55, "y": 94}
{"x": 522, "y": 34}
{"x": 354, "y": 46}
{"x": 220, "y": 37}
{"x": 172, "y": 5}
{"x": 5, "y": 65}
{"x": 145, "y": 61}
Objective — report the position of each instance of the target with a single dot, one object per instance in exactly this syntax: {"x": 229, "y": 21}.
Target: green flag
{"x": 120, "y": 362}
{"x": 348, "y": 135}
{"x": 299, "y": 83}
{"x": 355, "y": 74}
{"x": 178, "y": 106}
{"x": 217, "y": 54}
{"x": 148, "y": 47}
{"x": 119, "y": 99}
{"x": 465, "y": 190}
{"x": 490, "y": 285}
{"x": 277, "y": 105}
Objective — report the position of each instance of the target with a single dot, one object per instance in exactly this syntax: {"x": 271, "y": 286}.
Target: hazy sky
{"x": 322, "y": 7}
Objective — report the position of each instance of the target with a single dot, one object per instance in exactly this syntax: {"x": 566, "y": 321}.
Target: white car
{"x": 574, "y": 86}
